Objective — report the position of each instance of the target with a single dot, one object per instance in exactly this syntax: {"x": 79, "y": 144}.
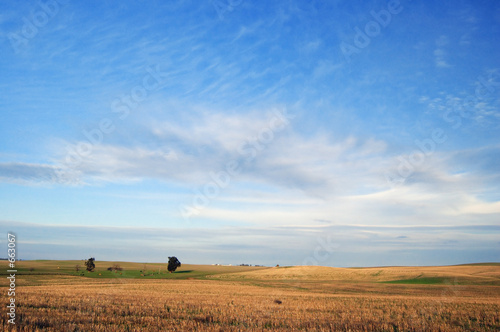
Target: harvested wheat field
{"x": 456, "y": 298}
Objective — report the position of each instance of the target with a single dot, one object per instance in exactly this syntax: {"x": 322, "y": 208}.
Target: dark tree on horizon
{"x": 89, "y": 263}
{"x": 173, "y": 264}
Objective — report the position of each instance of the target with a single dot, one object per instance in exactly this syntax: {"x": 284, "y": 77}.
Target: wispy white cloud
{"x": 26, "y": 173}
{"x": 340, "y": 179}
{"x": 325, "y": 68}
{"x": 440, "y": 52}
{"x": 206, "y": 142}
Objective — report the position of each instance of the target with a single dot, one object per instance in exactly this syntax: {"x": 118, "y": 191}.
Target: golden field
{"x": 219, "y": 298}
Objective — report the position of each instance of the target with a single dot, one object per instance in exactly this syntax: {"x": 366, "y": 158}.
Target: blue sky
{"x": 338, "y": 133}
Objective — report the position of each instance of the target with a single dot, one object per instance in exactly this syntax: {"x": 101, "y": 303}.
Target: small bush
{"x": 115, "y": 268}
